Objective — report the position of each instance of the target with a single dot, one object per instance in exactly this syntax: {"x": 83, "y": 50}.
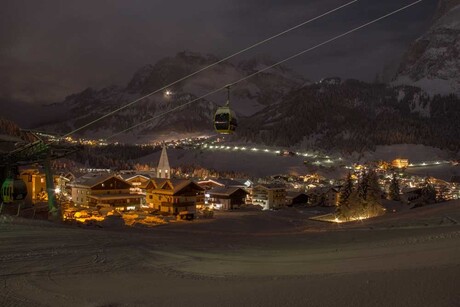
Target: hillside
{"x": 247, "y": 98}
{"x": 356, "y": 116}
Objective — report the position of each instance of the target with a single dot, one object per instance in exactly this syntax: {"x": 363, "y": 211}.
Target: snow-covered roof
{"x": 91, "y": 180}
{"x": 131, "y": 176}
{"x": 176, "y": 184}
{"x": 224, "y": 182}
{"x": 225, "y": 191}
{"x": 270, "y": 186}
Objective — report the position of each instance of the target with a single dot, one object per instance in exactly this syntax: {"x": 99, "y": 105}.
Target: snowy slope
{"x": 272, "y": 258}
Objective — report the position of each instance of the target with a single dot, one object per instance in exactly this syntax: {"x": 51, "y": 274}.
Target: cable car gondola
{"x": 225, "y": 120}
{"x": 13, "y": 190}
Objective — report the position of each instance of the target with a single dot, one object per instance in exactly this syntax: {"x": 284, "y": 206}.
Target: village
{"x": 159, "y": 196}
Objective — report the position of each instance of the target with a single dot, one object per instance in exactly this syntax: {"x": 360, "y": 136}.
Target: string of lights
{"x": 267, "y": 68}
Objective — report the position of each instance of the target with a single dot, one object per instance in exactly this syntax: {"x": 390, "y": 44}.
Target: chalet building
{"x": 173, "y": 196}
{"x": 138, "y": 182}
{"x": 163, "y": 169}
{"x": 226, "y": 198}
{"x": 296, "y": 198}
{"x": 220, "y": 182}
{"x": 324, "y": 196}
{"x": 269, "y": 196}
{"x": 209, "y": 184}
{"x": 95, "y": 190}
{"x": 35, "y": 180}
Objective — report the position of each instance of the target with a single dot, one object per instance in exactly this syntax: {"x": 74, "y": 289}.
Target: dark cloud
{"x": 52, "y": 48}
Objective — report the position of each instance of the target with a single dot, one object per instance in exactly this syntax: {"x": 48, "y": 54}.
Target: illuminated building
{"x": 95, "y": 190}
{"x": 400, "y": 163}
{"x": 269, "y": 196}
{"x": 226, "y": 198}
{"x": 173, "y": 196}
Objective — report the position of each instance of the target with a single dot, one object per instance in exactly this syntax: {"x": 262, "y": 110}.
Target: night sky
{"x": 52, "y": 48}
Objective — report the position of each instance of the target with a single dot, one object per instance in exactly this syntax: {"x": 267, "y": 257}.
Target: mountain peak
{"x": 432, "y": 61}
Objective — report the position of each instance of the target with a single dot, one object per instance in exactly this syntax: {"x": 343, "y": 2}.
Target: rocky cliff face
{"x": 433, "y": 61}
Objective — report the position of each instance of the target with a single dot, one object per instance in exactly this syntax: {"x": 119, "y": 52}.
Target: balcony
{"x": 182, "y": 204}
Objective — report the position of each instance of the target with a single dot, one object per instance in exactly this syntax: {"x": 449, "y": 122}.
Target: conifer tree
{"x": 346, "y": 190}
{"x": 395, "y": 190}
{"x": 428, "y": 193}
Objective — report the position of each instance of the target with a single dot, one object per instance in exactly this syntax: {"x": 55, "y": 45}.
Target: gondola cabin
{"x": 225, "y": 120}
{"x": 13, "y": 190}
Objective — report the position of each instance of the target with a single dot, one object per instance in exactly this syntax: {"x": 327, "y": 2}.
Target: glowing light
{"x": 266, "y": 150}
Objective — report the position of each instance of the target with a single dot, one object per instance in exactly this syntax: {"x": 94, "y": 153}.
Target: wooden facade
{"x": 172, "y": 196}
{"x": 104, "y": 190}
{"x": 226, "y": 198}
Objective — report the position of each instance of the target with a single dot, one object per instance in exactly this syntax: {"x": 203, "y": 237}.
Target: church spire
{"x": 163, "y": 169}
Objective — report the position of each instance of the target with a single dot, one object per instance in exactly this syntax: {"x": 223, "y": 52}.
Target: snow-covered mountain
{"x": 248, "y": 97}
{"x": 433, "y": 61}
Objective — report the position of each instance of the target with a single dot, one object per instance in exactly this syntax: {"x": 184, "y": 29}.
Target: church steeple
{"x": 163, "y": 169}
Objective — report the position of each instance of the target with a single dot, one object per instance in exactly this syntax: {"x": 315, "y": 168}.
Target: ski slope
{"x": 241, "y": 258}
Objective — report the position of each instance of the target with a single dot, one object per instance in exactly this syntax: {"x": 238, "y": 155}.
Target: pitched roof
{"x": 90, "y": 180}
{"x": 271, "y": 186}
{"x": 225, "y": 191}
{"x": 164, "y": 162}
{"x": 177, "y": 184}
{"x": 131, "y": 176}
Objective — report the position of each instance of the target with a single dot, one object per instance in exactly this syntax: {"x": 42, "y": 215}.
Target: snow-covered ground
{"x": 260, "y": 163}
{"x": 252, "y": 163}
{"x": 242, "y": 258}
